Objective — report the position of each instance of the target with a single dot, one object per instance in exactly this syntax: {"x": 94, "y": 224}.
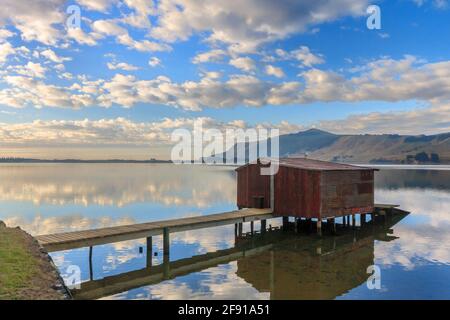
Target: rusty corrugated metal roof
{"x": 312, "y": 164}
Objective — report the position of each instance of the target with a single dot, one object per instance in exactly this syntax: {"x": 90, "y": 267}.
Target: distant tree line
{"x": 423, "y": 157}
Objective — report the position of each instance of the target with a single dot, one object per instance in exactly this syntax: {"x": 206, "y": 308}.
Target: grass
{"x": 17, "y": 264}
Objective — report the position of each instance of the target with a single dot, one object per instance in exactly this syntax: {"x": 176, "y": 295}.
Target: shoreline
{"x": 27, "y": 271}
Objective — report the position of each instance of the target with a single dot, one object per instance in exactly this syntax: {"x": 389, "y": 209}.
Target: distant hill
{"x": 367, "y": 148}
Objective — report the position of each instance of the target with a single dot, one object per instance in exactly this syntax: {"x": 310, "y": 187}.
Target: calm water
{"x": 413, "y": 251}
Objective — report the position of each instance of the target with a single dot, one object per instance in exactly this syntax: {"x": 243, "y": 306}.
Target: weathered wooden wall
{"x": 297, "y": 192}
{"x": 252, "y": 184}
{"x": 347, "y": 192}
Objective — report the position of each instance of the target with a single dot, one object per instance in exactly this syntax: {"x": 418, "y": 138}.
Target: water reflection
{"x": 281, "y": 264}
{"x": 425, "y": 234}
{"x": 116, "y": 184}
{"x": 49, "y": 198}
{"x": 62, "y": 197}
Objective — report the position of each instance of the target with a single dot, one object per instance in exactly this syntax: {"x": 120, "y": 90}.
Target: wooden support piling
{"x": 240, "y": 229}
{"x": 353, "y": 220}
{"x": 252, "y": 227}
{"x": 332, "y": 225}
{"x": 272, "y": 274}
{"x": 363, "y": 219}
{"x": 166, "y": 267}
{"x": 285, "y": 223}
{"x": 91, "y": 271}
{"x": 297, "y": 224}
{"x": 149, "y": 251}
{"x": 309, "y": 223}
{"x": 166, "y": 241}
{"x": 319, "y": 227}
{"x": 263, "y": 225}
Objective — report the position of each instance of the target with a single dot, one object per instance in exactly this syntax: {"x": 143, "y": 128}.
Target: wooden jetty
{"x": 89, "y": 238}
{"x": 95, "y": 237}
{"x": 264, "y": 260}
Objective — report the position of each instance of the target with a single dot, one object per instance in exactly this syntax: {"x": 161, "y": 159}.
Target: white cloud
{"x": 243, "y": 63}
{"x": 306, "y": 57}
{"x": 154, "y": 61}
{"x": 52, "y": 56}
{"x": 213, "y": 75}
{"x": 190, "y": 95}
{"x": 142, "y": 45}
{"x": 142, "y": 9}
{"x": 121, "y": 131}
{"x": 25, "y": 91}
{"x": 245, "y": 26}
{"x": 216, "y": 55}
{"x": 381, "y": 80}
{"x": 112, "y": 28}
{"x": 274, "y": 71}
{"x": 303, "y": 55}
{"x": 82, "y": 37}
{"x": 36, "y": 20}
{"x": 430, "y": 120}
{"x": 108, "y": 27}
{"x": 121, "y": 66}
{"x": 97, "y": 5}
{"x": 31, "y": 69}
{"x": 5, "y": 34}
{"x": 118, "y": 131}
{"x": 66, "y": 75}
{"x": 6, "y": 49}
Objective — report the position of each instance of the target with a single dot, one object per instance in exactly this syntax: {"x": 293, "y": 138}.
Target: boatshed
{"x": 307, "y": 188}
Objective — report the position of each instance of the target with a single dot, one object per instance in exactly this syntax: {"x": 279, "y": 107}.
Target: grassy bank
{"x": 25, "y": 272}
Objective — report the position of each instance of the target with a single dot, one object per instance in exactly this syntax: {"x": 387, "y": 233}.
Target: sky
{"x": 116, "y": 82}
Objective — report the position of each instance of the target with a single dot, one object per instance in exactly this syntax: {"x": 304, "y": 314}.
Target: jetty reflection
{"x": 285, "y": 264}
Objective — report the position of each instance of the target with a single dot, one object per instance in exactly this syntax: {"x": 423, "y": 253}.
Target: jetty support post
{"x": 240, "y": 229}
{"x": 363, "y": 218}
{"x": 319, "y": 227}
{"x": 166, "y": 242}
{"x": 149, "y": 251}
{"x": 354, "y": 221}
{"x": 166, "y": 267}
{"x": 332, "y": 225}
{"x": 272, "y": 275}
{"x": 263, "y": 226}
{"x": 285, "y": 223}
{"x": 252, "y": 227}
{"x": 297, "y": 225}
{"x": 91, "y": 271}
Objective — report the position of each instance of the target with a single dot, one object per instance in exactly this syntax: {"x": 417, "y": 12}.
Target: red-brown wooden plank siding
{"x": 347, "y": 192}
{"x": 297, "y": 192}
{"x": 252, "y": 184}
